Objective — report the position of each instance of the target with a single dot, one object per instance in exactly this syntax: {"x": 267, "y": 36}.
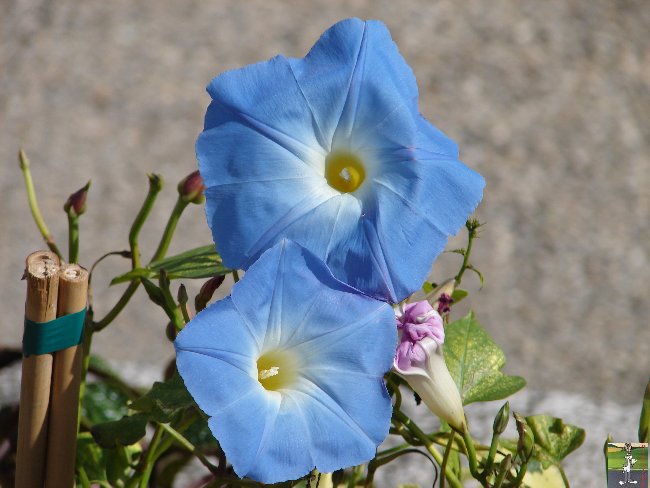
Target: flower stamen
{"x": 276, "y": 370}
{"x": 267, "y": 373}
{"x": 344, "y": 171}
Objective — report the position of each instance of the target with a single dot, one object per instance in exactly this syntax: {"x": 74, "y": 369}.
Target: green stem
{"x": 428, "y": 444}
{"x": 33, "y": 204}
{"x": 170, "y": 228}
{"x": 118, "y": 307}
{"x": 235, "y": 275}
{"x": 155, "y": 185}
{"x": 393, "y": 387}
{"x": 471, "y": 234}
{"x": 151, "y": 457}
{"x": 562, "y": 473}
{"x": 491, "y": 454}
{"x": 372, "y": 467}
{"x": 159, "y": 445}
{"x": 522, "y": 472}
{"x": 73, "y": 238}
{"x": 445, "y": 459}
{"x": 178, "y": 437}
{"x": 83, "y": 477}
{"x": 503, "y": 471}
{"x": 471, "y": 456}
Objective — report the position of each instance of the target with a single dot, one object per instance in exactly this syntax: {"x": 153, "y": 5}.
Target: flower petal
{"x": 349, "y": 388}
{"x": 219, "y": 345}
{"x": 286, "y": 450}
{"x": 289, "y": 304}
{"x": 243, "y": 428}
{"x": 265, "y": 97}
{"x": 352, "y": 92}
{"x": 335, "y": 438}
{"x": 346, "y": 346}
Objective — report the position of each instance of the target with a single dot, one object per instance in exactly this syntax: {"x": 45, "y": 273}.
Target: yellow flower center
{"x": 276, "y": 370}
{"x": 344, "y": 171}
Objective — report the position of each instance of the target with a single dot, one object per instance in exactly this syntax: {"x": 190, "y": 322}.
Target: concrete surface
{"x": 548, "y": 100}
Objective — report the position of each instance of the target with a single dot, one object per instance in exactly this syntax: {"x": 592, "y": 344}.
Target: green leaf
{"x": 164, "y": 400}
{"x": 120, "y": 463}
{"x": 427, "y": 287}
{"x": 108, "y": 467}
{"x": 644, "y": 420}
{"x": 202, "y": 262}
{"x": 199, "y": 434}
{"x": 123, "y": 432}
{"x": 478, "y": 273}
{"x": 458, "y": 294}
{"x": 90, "y": 457}
{"x": 554, "y": 440}
{"x": 475, "y": 361}
{"x": 103, "y": 403}
{"x": 155, "y": 294}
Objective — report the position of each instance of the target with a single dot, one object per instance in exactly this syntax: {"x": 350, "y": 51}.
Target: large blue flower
{"x": 332, "y": 152}
{"x": 290, "y": 368}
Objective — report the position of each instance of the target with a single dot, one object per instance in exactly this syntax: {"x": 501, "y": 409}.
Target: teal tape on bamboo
{"x": 55, "y": 335}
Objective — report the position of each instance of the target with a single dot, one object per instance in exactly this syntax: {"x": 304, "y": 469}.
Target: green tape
{"x": 55, "y": 335}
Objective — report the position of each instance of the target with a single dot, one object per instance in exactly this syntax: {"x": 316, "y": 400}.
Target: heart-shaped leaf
{"x": 554, "y": 440}
{"x": 164, "y": 400}
{"x": 475, "y": 362}
{"x": 123, "y": 432}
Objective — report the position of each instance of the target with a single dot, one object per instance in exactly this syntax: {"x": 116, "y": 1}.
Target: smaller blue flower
{"x": 290, "y": 368}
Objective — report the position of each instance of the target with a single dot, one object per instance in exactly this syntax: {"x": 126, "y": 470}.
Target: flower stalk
{"x": 74, "y": 207}
{"x": 33, "y": 204}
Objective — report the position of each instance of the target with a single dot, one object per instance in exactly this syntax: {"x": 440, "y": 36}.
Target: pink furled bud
{"x": 191, "y": 188}
{"x": 76, "y": 203}
{"x": 417, "y": 321}
{"x": 419, "y": 360}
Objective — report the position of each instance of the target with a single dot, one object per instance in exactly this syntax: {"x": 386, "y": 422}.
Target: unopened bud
{"x": 419, "y": 360}
{"x": 155, "y": 182}
{"x": 171, "y": 332}
{"x": 501, "y": 420}
{"x": 182, "y": 294}
{"x": 440, "y": 297}
{"x": 526, "y": 442}
{"x": 191, "y": 188}
{"x": 206, "y": 292}
{"x": 75, "y": 205}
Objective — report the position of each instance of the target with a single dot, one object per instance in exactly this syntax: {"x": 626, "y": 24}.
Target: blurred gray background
{"x": 549, "y": 100}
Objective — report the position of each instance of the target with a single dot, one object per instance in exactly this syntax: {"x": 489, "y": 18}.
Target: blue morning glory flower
{"x": 290, "y": 368}
{"x": 331, "y": 151}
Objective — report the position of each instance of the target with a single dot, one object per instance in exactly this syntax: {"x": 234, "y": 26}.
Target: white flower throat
{"x": 277, "y": 369}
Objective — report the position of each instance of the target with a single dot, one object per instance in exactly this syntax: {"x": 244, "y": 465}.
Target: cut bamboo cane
{"x": 66, "y": 376}
{"x": 40, "y": 306}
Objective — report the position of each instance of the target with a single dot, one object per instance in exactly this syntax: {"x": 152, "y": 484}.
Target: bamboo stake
{"x": 66, "y": 378}
{"x": 40, "y": 306}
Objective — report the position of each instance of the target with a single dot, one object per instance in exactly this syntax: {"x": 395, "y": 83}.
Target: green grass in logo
{"x": 616, "y": 458}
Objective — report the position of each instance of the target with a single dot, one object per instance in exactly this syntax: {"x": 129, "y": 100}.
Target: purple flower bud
{"x": 206, "y": 292}
{"x": 419, "y": 360}
{"x": 417, "y": 321}
{"x": 76, "y": 203}
{"x": 191, "y": 188}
